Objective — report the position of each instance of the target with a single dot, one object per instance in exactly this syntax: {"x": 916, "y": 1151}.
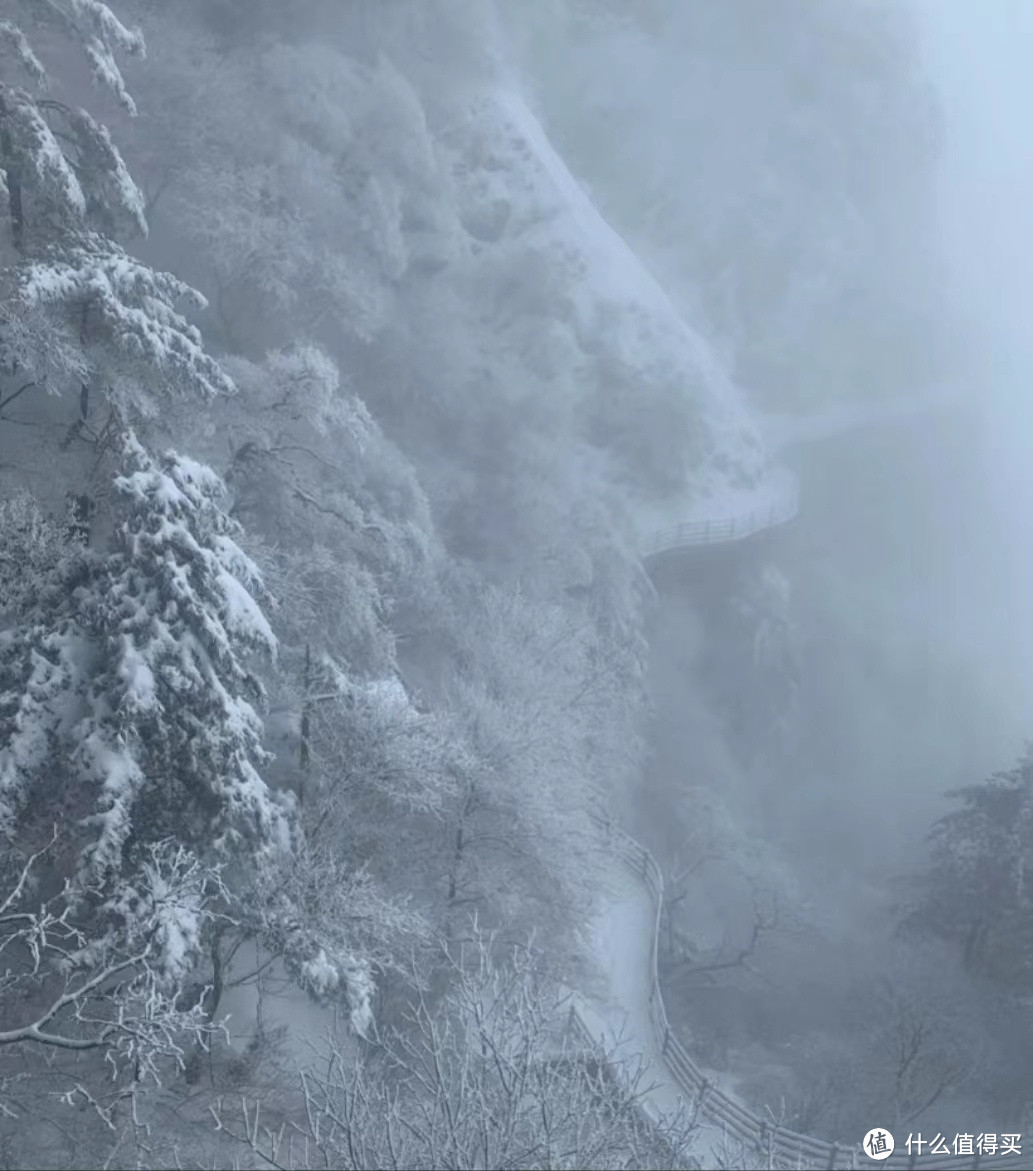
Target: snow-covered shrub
{"x": 491, "y": 1074}
{"x": 31, "y": 545}
{"x": 71, "y": 985}
{"x": 330, "y": 924}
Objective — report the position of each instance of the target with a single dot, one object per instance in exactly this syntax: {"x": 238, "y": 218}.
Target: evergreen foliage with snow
{"x": 76, "y": 309}
{"x": 31, "y": 547}
{"x": 974, "y": 892}
{"x": 446, "y": 390}
{"x": 127, "y": 694}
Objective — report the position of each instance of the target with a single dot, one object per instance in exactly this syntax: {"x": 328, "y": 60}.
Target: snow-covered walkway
{"x": 617, "y": 306}
{"x": 732, "y": 514}
{"x": 622, "y": 1015}
{"x": 620, "y": 1019}
{"x": 627, "y": 1015}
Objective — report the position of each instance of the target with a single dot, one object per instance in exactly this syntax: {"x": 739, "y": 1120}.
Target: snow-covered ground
{"x": 623, "y": 937}
{"x": 617, "y": 299}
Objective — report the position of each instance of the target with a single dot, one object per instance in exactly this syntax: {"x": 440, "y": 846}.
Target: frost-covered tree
{"x": 77, "y": 310}
{"x": 298, "y": 169}
{"x": 372, "y": 773}
{"x": 974, "y": 891}
{"x": 717, "y": 871}
{"x": 370, "y": 742}
{"x": 314, "y": 476}
{"x": 530, "y": 691}
{"x": 128, "y": 695}
{"x": 752, "y": 663}
{"x": 493, "y": 1074}
{"x": 330, "y": 923}
{"x": 31, "y": 546}
{"x": 793, "y": 218}
{"x": 112, "y": 990}
{"x": 345, "y": 541}
{"x": 344, "y": 537}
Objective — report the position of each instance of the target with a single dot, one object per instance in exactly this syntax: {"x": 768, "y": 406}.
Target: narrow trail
{"x": 628, "y": 1016}
{"x": 623, "y": 938}
{"x": 733, "y": 503}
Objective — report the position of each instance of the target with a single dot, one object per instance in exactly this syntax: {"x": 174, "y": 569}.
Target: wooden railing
{"x": 718, "y": 532}
{"x": 761, "y": 1141}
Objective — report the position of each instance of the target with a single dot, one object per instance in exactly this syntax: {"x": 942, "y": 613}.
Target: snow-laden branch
{"x": 108, "y": 979}
{"x": 493, "y": 1076}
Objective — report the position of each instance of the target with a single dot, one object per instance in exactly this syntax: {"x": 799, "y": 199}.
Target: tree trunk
{"x": 12, "y": 175}
{"x": 81, "y": 509}
{"x": 212, "y": 999}
{"x": 304, "y": 750}
{"x": 84, "y": 389}
{"x": 457, "y": 859}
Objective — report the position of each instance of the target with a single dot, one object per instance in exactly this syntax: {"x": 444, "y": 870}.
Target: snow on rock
{"x": 389, "y": 696}
{"x": 617, "y": 301}
{"x": 320, "y": 975}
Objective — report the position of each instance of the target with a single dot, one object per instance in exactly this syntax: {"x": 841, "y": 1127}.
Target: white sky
{"x": 980, "y": 53}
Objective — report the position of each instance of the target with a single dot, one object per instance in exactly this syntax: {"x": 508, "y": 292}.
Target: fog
{"x": 977, "y": 60}
{"x": 909, "y": 566}
{"x": 570, "y": 535}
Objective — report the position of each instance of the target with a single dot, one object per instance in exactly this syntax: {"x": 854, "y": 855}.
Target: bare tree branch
{"x": 490, "y": 1076}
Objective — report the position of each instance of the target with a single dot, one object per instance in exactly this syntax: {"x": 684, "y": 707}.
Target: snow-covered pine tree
{"x": 126, "y": 697}
{"x": 125, "y": 693}
{"x": 129, "y": 734}
{"x": 127, "y": 705}
{"x": 76, "y": 311}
